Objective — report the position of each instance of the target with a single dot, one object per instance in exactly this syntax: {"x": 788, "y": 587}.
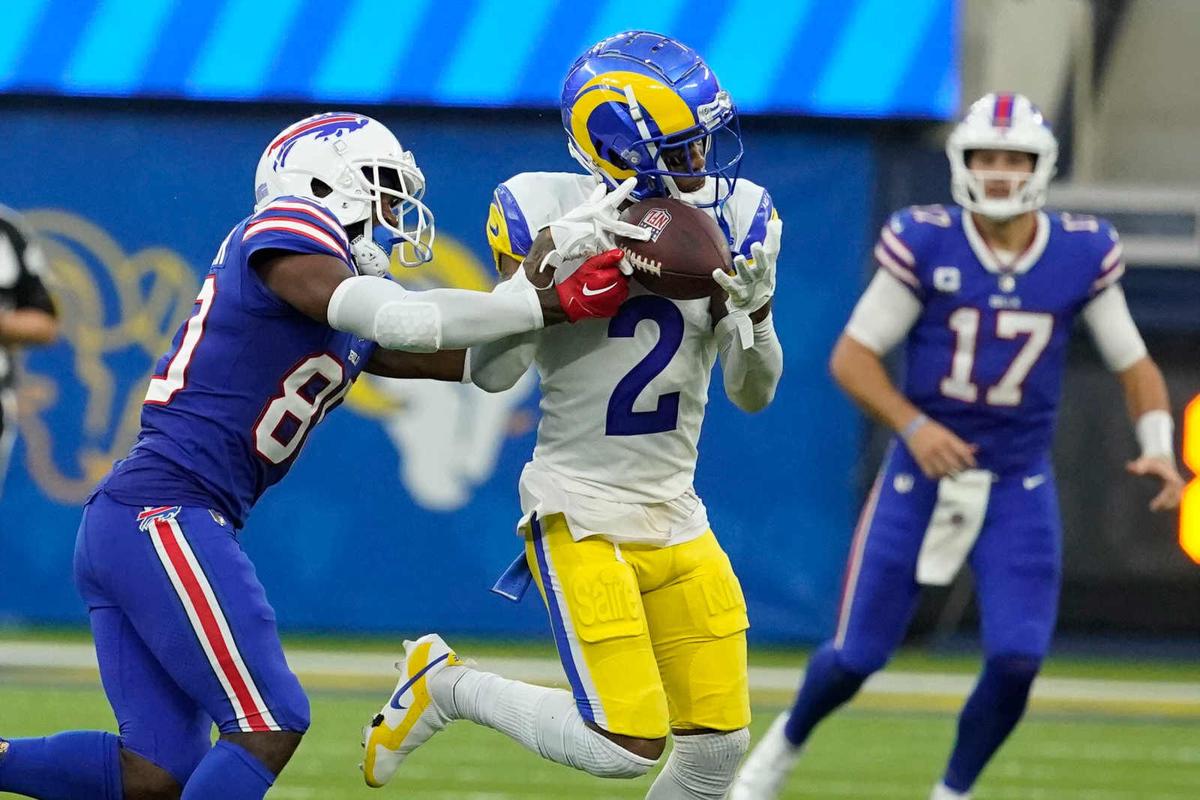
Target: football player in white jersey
{"x": 647, "y": 614}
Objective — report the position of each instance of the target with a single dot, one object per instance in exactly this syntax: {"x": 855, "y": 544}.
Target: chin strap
{"x": 373, "y": 256}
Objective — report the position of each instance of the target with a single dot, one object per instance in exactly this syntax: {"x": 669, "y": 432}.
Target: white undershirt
{"x": 887, "y": 311}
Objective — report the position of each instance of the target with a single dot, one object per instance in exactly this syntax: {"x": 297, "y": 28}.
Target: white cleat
{"x": 767, "y": 767}
{"x": 944, "y": 792}
{"x": 410, "y": 716}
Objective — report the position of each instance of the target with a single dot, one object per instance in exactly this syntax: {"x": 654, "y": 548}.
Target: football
{"x": 684, "y": 248}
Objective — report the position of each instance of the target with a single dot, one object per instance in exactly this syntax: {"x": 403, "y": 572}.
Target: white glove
{"x": 753, "y": 282}
{"x": 588, "y": 229}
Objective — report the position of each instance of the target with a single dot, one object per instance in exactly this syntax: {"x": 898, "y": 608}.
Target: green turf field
{"x": 869, "y": 751}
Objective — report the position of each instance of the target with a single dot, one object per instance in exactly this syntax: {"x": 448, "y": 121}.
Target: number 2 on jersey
{"x": 1009, "y": 325}
{"x": 622, "y": 420}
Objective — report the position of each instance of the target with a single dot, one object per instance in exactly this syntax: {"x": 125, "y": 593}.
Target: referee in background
{"x": 27, "y": 316}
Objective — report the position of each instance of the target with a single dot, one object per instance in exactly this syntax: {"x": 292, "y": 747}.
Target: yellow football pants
{"x": 651, "y": 638}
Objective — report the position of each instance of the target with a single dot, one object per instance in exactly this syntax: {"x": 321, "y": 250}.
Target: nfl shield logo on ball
{"x": 656, "y": 220}
{"x": 947, "y": 279}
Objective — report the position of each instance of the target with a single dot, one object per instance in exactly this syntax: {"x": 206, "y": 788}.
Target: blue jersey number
{"x": 622, "y": 419}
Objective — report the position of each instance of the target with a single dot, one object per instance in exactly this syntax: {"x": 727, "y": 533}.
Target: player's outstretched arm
{"x": 383, "y": 311}
{"x": 304, "y": 282}
{"x": 444, "y": 365}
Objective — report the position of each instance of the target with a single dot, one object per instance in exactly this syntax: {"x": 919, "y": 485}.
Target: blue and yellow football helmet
{"x": 643, "y": 104}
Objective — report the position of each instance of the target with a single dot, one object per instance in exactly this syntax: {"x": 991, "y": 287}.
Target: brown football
{"x": 684, "y": 248}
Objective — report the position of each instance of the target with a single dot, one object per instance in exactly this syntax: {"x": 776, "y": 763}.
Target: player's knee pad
{"x": 701, "y": 766}
{"x": 605, "y": 758}
{"x": 559, "y": 734}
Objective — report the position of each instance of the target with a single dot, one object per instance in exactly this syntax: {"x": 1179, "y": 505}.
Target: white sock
{"x": 944, "y": 792}
{"x": 701, "y": 766}
{"x": 543, "y": 720}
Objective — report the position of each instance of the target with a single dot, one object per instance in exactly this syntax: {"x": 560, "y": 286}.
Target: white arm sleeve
{"x": 497, "y": 366}
{"x": 884, "y": 315}
{"x": 1113, "y": 330}
{"x": 752, "y": 374}
{"x": 437, "y": 319}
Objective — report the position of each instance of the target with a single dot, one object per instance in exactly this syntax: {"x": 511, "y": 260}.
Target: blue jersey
{"x": 986, "y": 356}
{"x": 247, "y": 377}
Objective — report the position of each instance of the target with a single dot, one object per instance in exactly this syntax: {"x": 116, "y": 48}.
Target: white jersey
{"x": 623, "y": 399}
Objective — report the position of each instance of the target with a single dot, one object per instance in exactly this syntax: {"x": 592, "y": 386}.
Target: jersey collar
{"x": 987, "y": 257}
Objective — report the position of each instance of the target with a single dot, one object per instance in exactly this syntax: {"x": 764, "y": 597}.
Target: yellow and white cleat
{"x": 410, "y": 716}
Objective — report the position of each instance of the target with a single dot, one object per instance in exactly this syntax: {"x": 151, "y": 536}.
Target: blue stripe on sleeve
{"x": 758, "y": 225}
{"x": 518, "y": 229}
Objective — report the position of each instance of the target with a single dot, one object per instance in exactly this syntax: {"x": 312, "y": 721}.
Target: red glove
{"x": 595, "y": 290}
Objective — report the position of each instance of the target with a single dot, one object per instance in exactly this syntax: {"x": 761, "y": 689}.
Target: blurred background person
{"x": 27, "y": 317}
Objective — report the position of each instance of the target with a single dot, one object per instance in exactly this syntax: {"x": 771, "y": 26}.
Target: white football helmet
{"x": 1002, "y": 121}
{"x": 353, "y": 165}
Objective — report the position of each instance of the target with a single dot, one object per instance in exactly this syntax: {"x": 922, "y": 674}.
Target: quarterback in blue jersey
{"x": 984, "y": 294}
{"x": 296, "y": 304}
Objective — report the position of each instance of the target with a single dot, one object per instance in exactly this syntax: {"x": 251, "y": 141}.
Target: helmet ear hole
{"x": 320, "y": 188}
{"x": 617, "y": 160}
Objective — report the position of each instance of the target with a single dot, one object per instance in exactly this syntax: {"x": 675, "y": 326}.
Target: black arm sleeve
{"x": 30, "y": 291}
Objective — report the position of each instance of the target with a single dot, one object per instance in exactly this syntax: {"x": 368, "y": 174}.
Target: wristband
{"x": 1156, "y": 434}
{"x": 907, "y": 432}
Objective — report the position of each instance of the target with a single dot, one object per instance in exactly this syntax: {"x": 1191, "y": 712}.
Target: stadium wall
{"x": 400, "y": 512}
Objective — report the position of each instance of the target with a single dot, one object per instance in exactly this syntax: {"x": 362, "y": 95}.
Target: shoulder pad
{"x": 507, "y": 230}
{"x": 529, "y": 201}
{"x": 760, "y": 210}
{"x": 906, "y": 238}
{"x": 1100, "y": 247}
{"x": 296, "y": 224}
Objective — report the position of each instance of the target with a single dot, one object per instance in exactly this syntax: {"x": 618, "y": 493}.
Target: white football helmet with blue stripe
{"x": 355, "y": 167}
{"x": 1002, "y": 121}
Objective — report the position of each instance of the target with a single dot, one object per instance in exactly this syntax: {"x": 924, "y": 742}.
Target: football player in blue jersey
{"x": 289, "y": 314}
{"x": 984, "y": 294}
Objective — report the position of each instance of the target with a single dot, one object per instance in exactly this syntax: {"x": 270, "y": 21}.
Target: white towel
{"x": 954, "y": 526}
